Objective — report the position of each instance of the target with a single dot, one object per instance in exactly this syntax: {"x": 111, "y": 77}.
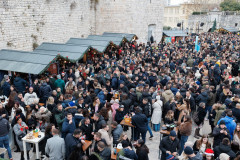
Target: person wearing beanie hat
{"x": 157, "y": 114}
{"x": 169, "y": 145}
{"x": 229, "y": 122}
{"x": 191, "y": 155}
{"x": 127, "y": 151}
{"x": 224, "y": 156}
{"x": 208, "y": 154}
{"x": 219, "y": 133}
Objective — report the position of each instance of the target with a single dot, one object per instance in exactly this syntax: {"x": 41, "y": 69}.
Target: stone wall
{"x": 130, "y": 16}
{"x": 24, "y": 24}
{"x": 223, "y": 19}
{"x": 27, "y": 23}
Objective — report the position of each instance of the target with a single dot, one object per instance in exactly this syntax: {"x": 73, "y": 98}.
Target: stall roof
{"x": 115, "y": 40}
{"x": 230, "y": 29}
{"x": 99, "y": 45}
{"x": 175, "y": 33}
{"x": 24, "y": 62}
{"x": 72, "y": 52}
{"x": 128, "y": 36}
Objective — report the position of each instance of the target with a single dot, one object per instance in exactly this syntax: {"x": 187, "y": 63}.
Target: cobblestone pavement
{"x": 152, "y": 144}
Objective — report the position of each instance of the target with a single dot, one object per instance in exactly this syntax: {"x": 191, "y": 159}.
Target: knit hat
{"x": 169, "y": 157}
{"x": 209, "y": 152}
{"x": 224, "y": 156}
{"x": 222, "y": 122}
{"x": 59, "y": 76}
{"x": 173, "y": 133}
{"x": 188, "y": 150}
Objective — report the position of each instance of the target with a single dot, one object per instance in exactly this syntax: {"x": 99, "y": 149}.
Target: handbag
{"x": 21, "y": 136}
{"x": 195, "y": 117}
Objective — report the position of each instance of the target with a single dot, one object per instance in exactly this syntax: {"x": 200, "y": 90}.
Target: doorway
{"x": 151, "y": 30}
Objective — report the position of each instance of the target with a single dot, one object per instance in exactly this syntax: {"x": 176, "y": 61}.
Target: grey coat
{"x": 18, "y": 132}
{"x": 55, "y": 148}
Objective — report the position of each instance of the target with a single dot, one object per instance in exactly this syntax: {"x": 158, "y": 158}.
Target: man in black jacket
{"x": 99, "y": 121}
{"x": 170, "y": 145}
{"x": 224, "y": 147}
{"x": 87, "y": 129}
{"x": 140, "y": 121}
{"x": 219, "y": 133}
{"x": 147, "y": 110}
{"x": 72, "y": 140}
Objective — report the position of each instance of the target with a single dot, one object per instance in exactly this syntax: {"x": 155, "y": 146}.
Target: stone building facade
{"x": 24, "y": 24}
{"x": 223, "y": 19}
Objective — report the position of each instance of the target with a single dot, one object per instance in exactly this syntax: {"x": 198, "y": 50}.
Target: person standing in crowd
{"x": 191, "y": 155}
{"x": 117, "y": 130}
{"x": 140, "y": 121}
{"x": 87, "y": 129}
{"x": 224, "y": 147}
{"x": 55, "y": 147}
{"x": 4, "y": 138}
{"x": 72, "y": 140}
{"x": 219, "y": 133}
{"x": 201, "y": 113}
{"x": 20, "y": 130}
{"x": 229, "y": 122}
{"x": 68, "y": 125}
{"x": 20, "y": 84}
{"x": 104, "y": 151}
{"x": 157, "y": 114}
{"x": 44, "y": 92}
{"x": 170, "y": 144}
{"x": 59, "y": 83}
{"x": 99, "y": 121}
{"x": 201, "y": 145}
{"x": 142, "y": 150}
{"x": 105, "y": 135}
{"x": 185, "y": 129}
{"x": 30, "y": 97}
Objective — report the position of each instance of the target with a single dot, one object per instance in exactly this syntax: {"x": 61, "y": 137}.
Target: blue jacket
{"x": 115, "y": 83}
{"x": 101, "y": 97}
{"x": 230, "y": 124}
{"x": 67, "y": 128}
{"x": 20, "y": 84}
{"x": 6, "y": 89}
{"x": 174, "y": 90}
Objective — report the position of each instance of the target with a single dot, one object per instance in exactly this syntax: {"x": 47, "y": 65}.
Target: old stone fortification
{"x": 223, "y": 19}
{"x": 24, "y": 24}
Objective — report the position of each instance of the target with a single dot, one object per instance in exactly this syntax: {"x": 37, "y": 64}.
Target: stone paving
{"x": 153, "y": 144}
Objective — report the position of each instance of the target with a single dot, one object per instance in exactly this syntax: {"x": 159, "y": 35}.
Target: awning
{"x": 115, "y": 40}
{"x": 128, "y": 36}
{"x": 175, "y": 33}
{"x": 68, "y": 51}
{"x": 98, "y": 45}
{"x": 229, "y": 29}
{"x": 25, "y": 62}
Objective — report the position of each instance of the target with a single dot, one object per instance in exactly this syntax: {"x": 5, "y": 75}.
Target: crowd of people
{"x": 160, "y": 86}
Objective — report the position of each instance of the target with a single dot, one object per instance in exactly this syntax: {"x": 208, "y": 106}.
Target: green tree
{"x": 214, "y": 26}
{"x": 230, "y": 5}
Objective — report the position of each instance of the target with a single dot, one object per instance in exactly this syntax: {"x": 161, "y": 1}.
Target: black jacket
{"x": 4, "y": 125}
{"x": 168, "y": 145}
{"x": 142, "y": 154}
{"x": 140, "y": 122}
{"x": 42, "y": 143}
{"x": 70, "y": 143}
{"x": 201, "y": 114}
{"x": 45, "y": 90}
{"x": 87, "y": 130}
{"x": 236, "y": 113}
{"x": 218, "y": 137}
{"x": 224, "y": 149}
{"x": 99, "y": 123}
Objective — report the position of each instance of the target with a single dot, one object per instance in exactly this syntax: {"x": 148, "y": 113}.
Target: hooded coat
{"x": 20, "y": 84}
{"x": 157, "y": 112}
{"x": 167, "y": 95}
{"x": 230, "y": 124}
